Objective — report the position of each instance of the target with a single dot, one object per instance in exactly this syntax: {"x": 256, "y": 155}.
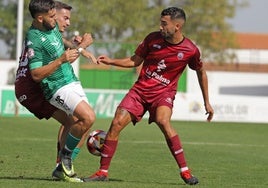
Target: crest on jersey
{"x": 161, "y": 66}
{"x": 180, "y": 55}
{"x": 30, "y": 53}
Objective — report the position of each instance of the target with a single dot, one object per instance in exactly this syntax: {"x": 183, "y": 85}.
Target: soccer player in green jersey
{"x": 63, "y": 13}
{"x": 30, "y": 95}
{"x": 50, "y": 65}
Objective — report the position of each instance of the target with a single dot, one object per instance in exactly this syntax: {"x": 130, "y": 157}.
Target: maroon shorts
{"x": 35, "y": 102}
{"x": 137, "y": 104}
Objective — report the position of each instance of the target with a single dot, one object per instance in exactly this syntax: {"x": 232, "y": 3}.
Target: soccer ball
{"x": 95, "y": 142}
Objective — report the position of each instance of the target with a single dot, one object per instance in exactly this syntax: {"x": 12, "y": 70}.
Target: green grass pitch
{"x": 219, "y": 154}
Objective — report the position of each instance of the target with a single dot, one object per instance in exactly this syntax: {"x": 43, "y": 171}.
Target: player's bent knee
{"x": 162, "y": 122}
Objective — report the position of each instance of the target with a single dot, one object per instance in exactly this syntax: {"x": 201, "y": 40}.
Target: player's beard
{"x": 166, "y": 35}
{"x": 48, "y": 26}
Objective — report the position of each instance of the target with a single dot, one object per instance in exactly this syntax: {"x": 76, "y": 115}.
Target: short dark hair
{"x": 40, "y": 6}
{"x": 174, "y": 13}
{"x": 60, "y": 5}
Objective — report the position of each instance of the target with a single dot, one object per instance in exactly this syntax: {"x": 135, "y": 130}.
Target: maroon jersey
{"x": 164, "y": 64}
{"x": 28, "y": 92}
{"x": 24, "y": 81}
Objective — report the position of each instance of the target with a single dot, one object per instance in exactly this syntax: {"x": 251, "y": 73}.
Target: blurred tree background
{"x": 8, "y": 26}
{"x": 115, "y": 22}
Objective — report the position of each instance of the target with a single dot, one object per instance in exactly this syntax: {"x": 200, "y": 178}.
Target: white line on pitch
{"x": 195, "y": 143}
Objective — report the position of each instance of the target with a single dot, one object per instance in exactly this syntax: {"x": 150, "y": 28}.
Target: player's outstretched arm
{"x": 78, "y": 41}
{"x": 127, "y": 62}
{"x": 88, "y": 55}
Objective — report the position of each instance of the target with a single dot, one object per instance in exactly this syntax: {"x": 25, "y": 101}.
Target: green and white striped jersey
{"x": 43, "y": 48}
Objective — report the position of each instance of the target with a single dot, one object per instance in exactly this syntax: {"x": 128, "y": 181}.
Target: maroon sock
{"x": 175, "y": 147}
{"x": 107, "y": 153}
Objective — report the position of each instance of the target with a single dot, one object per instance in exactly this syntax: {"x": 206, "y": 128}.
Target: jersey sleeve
{"x": 195, "y": 62}
{"x": 34, "y": 51}
{"x": 142, "y": 49}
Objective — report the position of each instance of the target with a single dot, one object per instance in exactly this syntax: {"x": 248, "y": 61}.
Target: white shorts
{"x": 68, "y": 97}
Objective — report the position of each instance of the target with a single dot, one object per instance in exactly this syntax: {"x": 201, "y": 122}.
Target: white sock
{"x": 104, "y": 170}
{"x": 184, "y": 169}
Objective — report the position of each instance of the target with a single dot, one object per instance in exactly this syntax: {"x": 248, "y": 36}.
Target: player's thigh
{"x": 84, "y": 111}
{"x": 63, "y": 118}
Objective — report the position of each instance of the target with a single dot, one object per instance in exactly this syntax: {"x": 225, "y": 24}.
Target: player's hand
{"x": 103, "y": 59}
{"x": 76, "y": 40}
{"x": 87, "y": 40}
{"x": 209, "y": 112}
{"x": 70, "y": 55}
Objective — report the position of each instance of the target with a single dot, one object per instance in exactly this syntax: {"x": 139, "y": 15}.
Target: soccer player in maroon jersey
{"x": 164, "y": 55}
